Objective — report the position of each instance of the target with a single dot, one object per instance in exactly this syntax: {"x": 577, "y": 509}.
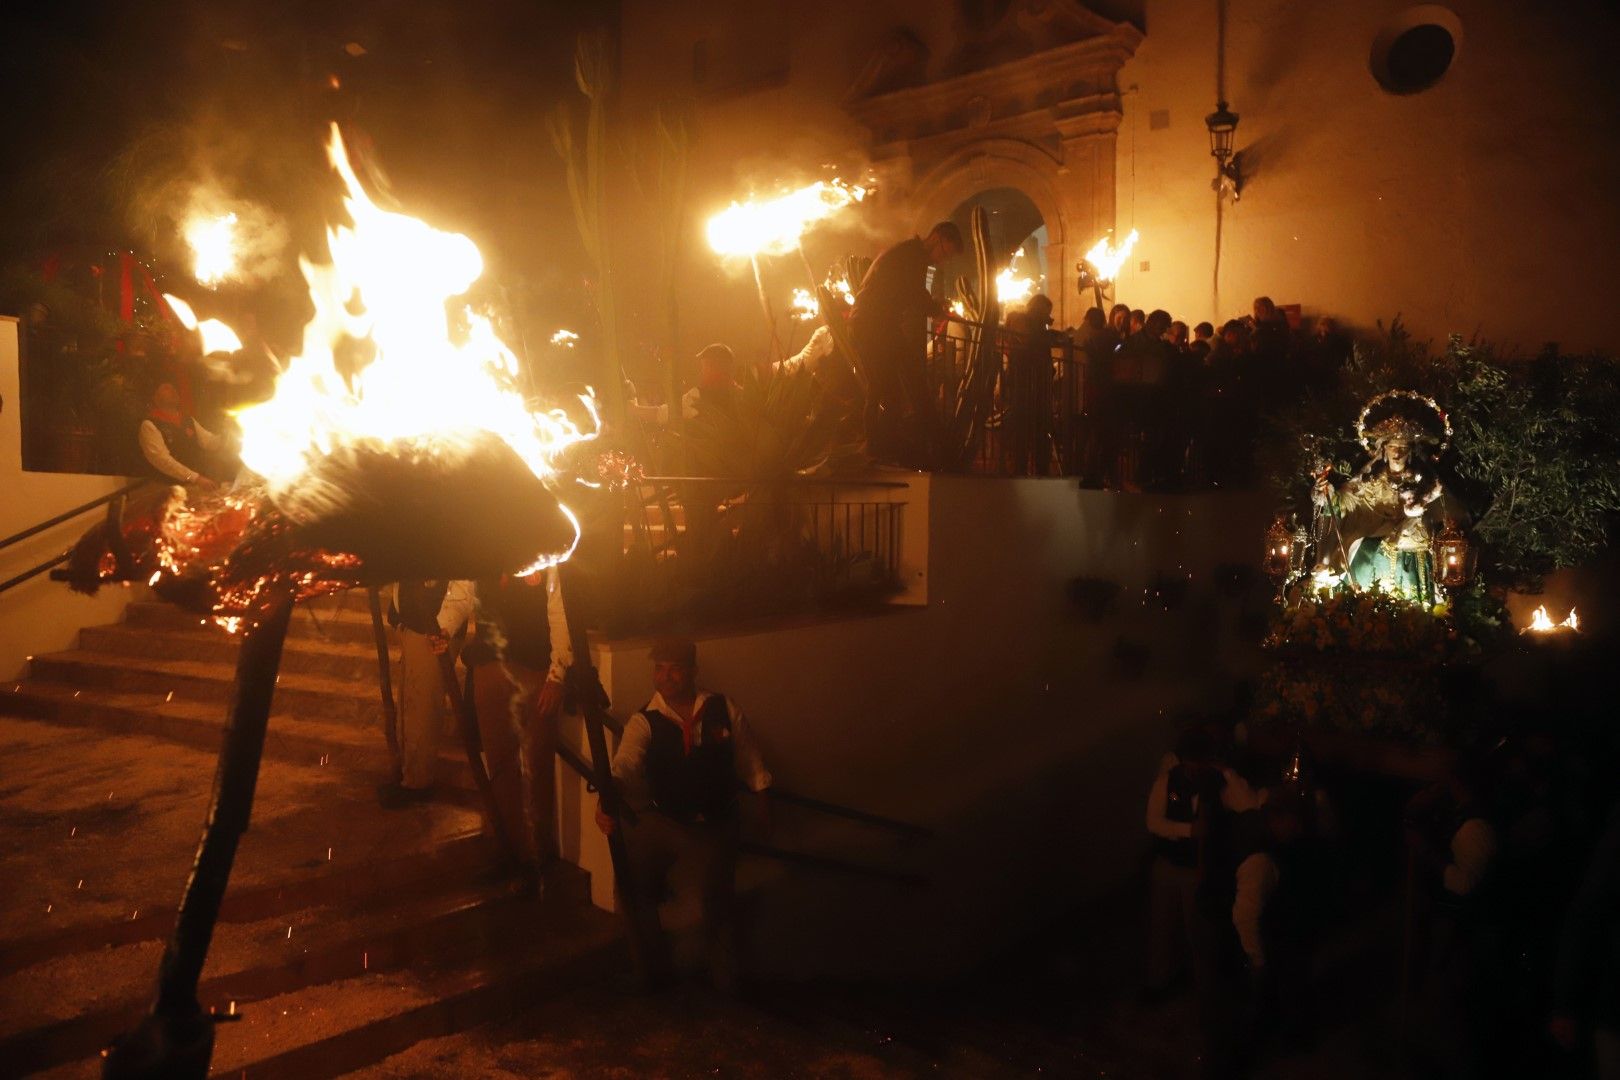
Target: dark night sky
{"x": 121, "y": 108}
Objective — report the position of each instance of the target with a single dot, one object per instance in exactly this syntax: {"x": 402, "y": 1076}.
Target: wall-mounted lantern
{"x": 1222, "y": 124}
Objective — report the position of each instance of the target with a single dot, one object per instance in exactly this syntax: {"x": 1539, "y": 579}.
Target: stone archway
{"x": 1031, "y": 103}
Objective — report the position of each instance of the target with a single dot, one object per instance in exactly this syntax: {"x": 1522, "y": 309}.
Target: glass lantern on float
{"x": 1280, "y": 548}
{"x": 1451, "y": 556}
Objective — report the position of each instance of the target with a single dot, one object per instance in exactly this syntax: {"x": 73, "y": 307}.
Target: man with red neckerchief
{"x": 686, "y": 765}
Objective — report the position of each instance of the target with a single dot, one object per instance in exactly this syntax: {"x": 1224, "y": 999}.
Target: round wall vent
{"x": 1415, "y": 49}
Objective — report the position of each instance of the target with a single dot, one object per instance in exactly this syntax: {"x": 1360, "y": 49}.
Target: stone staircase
{"x": 348, "y": 933}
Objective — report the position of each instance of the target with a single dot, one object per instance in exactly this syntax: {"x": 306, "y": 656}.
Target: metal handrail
{"x": 905, "y": 829}
{"x": 75, "y": 512}
{"x": 113, "y": 500}
{"x": 827, "y": 864}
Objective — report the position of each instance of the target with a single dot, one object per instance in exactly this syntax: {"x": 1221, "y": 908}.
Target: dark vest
{"x": 1180, "y": 794}
{"x": 181, "y": 439}
{"x": 696, "y": 785}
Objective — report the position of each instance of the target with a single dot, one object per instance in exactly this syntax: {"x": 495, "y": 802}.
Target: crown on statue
{"x": 1403, "y": 415}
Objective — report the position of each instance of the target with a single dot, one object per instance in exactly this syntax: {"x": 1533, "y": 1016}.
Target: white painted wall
{"x": 40, "y": 615}
{"x": 995, "y": 715}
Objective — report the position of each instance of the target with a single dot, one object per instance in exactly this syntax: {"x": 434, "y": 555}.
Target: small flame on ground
{"x": 1106, "y": 259}
{"x": 775, "y": 226}
{"x": 1541, "y": 622}
{"x": 212, "y": 239}
{"x": 565, "y": 338}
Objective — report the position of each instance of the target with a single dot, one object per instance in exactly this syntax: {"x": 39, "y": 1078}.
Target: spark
{"x": 169, "y": 697}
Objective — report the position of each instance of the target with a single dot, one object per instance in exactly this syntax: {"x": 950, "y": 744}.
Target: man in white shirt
{"x": 174, "y": 444}
{"x": 685, "y": 764}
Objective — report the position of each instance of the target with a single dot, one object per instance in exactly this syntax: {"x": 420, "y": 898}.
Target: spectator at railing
{"x": 1027, "y": 390}
{"x": 888, "y": 327}
{"x": 1203, "y": 340}
{"x": 717, "y": 381}
{"x": 1119, "y": 320}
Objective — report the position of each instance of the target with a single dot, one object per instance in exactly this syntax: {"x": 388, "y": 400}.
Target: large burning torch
{"x": 396, "y": 446}
{"x": 776, "y": 227}
{"x": 1100, "y": 266}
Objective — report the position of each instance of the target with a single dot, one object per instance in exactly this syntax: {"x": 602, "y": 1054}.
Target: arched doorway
{"x": 1018, "y": 236}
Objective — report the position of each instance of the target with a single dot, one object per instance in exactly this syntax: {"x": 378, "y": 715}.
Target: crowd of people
{"x": 1166, "y": 407}
{"x": 1507, "y": 889}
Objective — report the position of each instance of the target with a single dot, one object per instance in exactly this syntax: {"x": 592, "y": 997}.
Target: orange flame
{"x": 1541, "y": 622}
{"x": 432, "y": 382}
{"x": 775, "y": 226}
{"x": 216, "y": 336}
{"x": 1107, "y": 259}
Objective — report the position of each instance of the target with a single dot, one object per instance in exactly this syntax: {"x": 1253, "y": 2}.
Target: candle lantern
{"x": 1451, "y": 557}
{"x": 1279, "y": 559}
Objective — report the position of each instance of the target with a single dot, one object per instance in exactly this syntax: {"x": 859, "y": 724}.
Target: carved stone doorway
{"x": 1030, "y": 102}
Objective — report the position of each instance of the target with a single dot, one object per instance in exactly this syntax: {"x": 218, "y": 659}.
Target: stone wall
{"x": 1000, "y": 715}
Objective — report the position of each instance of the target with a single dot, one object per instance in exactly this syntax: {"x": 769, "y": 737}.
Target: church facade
{"x": 1451, "y": 165}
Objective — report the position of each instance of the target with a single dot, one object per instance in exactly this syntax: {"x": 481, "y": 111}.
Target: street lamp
{"x": 1222, "y": 123}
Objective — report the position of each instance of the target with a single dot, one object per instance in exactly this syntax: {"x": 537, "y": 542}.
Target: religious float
{"x": 1390, "y": 632}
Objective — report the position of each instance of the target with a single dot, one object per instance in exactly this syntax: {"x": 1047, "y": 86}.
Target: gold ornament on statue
{"x": 1279, "y": 559}
{"x": 1451, "y": 556}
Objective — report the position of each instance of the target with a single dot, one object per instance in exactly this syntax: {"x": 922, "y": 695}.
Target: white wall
{"x": 40, "y": 615}
{"x": 1480, "y": 204}
{"x": 995, "y": 714}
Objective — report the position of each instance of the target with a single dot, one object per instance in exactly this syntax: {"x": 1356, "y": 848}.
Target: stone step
{"x": 336, "y": 699}
{"x": 301, "y": 656}
{"x": 252, "y": 962}
{"x": 512, "y": 956}
{"x": 359, "y": 748}
{"x": 348, "y": 624}
{"x": 100, "y": 828}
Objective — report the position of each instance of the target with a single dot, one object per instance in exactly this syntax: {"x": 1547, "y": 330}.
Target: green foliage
{"x": 1535, "y": 457}
{"x": 770, "y": 430}
{"x": 585, "y": 166}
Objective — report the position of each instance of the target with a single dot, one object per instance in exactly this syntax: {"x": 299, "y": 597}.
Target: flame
{"x": 959, "y": 309}
{"x": 216, "y": 336}
{"x": 1541, "y": 622}
{"x": 841, "y": 288}
{"x": 1012, "y": 287}
{"x": 803, "y": 306}
{"x": 775, "y": 226}
{"x": 212, "y": 239}
{"x": 431, "y": 382}
{"x": 565, "y": 338}
{"x": 1106, "y": 259}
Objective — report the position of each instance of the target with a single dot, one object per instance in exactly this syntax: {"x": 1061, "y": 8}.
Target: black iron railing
{"x": 1035, "y": 420}
{"x": 113, "y": 500}
{"x": 710, "y": 548}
